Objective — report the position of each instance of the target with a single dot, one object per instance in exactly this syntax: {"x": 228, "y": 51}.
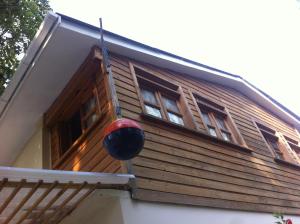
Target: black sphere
{"x": 124, "y": 143}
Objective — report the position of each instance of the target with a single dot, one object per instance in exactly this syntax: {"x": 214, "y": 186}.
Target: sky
{"x": 258, "y": 39}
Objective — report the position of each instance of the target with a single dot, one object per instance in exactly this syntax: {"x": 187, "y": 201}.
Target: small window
{"x": 294, "y": 145}
{"x": 215, "y": 119}
{"x": 159, "y": 97}
{"x": 71, "y": 129}
{"x": 151, "y": 103}
{"x": 89, "y": 112}
{"x": 272, "y": 140}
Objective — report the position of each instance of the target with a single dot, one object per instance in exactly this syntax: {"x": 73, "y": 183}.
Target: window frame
{"x": 81, "y": 87}
{"x": 84, "y": 130}
{"x": 214, "y": 110}
{"x": 268, "y": 135}
{"x": 190, "y": 124}
{"x": 161, "y": 88}
{"x": 287, "y": 156}
{"x": 293, "y": 146}
{"x": 159, "y": 94}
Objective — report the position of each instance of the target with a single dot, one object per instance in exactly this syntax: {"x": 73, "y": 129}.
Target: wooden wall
{"x": 178, "y": 166}
{"x": 88, "y": 154}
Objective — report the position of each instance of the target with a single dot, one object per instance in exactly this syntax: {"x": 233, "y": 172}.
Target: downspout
{"x": 28, "y": 62}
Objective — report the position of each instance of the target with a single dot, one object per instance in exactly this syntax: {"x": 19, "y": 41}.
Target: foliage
{"x": 19, "y": 21}
{"x": 281, "y": 220}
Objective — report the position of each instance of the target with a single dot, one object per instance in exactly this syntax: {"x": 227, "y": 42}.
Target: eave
{"x": 55, "y": 54}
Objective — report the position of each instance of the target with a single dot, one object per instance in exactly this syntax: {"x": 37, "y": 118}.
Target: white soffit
{"x": 58, "y": 50}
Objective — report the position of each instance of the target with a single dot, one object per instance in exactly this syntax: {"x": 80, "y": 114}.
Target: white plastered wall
{"x": 117, "y": 207}
{"x": 101, "y": 207}
{"x": 31, "y": 156}
{"x": 137, "y": 212}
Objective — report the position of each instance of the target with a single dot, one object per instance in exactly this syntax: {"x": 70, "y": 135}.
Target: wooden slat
{"x": 24, "y": 200}
{"x": 51, "y": 202}
{"x": 59, "y": 210}
{"x": 214, "y": 175}
{"x": 176, "y": 151}
{"x": 3, "y": 183}
{"x": 37, "y": 202}
{"x": 75, "y": 205}
{"x": 158, "y": 197}
{"x": 89, "y": 145}
{"x": 12, "y": 195}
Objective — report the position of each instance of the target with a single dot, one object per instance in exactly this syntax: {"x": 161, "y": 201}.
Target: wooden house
{"x": 217, "y": 149}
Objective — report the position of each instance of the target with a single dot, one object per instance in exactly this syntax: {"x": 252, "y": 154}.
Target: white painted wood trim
{"x": 49, "y": 176}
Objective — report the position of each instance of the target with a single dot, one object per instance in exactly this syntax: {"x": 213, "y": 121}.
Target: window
{"x": 159, "y": 97}
{"x": 215, "y": 119}
{"x": 79, "y": 122}
{"x": 75, "y": 113}
{"x": 272, "y": 140}
{"x": 294, "y": 145}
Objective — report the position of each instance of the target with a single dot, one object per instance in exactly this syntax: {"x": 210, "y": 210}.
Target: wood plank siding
{"x": 87, "y": 152}
{"x": 184, "y": 164}
{"x": 178, "y": 165}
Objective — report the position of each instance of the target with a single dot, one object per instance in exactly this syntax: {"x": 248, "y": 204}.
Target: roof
{"x": 58, "y": 49}
{"x": 159, "y": 51}
{"x": 48, "y": 196}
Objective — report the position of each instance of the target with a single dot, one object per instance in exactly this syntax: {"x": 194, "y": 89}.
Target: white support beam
{"x": 49, "y": 176}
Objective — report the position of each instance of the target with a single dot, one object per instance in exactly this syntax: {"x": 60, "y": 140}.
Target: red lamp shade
{"x": 123, "y": 139}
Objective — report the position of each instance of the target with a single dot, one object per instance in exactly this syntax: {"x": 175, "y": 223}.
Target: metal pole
{"x": 107, "y": 69}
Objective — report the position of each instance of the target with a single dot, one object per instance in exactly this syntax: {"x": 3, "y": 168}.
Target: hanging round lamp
{"x": 123, "y": 139}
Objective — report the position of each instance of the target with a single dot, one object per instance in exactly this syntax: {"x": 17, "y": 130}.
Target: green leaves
{"x": 19, "y": 21}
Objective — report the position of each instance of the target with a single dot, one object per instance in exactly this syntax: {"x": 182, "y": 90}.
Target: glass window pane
{"x": 175, "y": 118}
{"x": 91, "y": 120}
{"x": 273, "y": 144}
{"x": 212, "y": 132}
{"x": 153, "y": 111}
{"x": 149, "y": 96}
{"x": 89, "y": 105}
{"x": 75, "y": 126}
{"x": 221, "y": 123}
{"x": 206, "y": 118}
{"x": 226, "y": 136}
{"x": 170, "y": 104}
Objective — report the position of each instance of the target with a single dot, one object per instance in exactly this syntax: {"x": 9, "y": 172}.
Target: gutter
{"x": 45, "y": 32}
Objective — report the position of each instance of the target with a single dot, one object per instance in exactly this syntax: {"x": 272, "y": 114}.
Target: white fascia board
{"x": 127, "y": 48}
{"x": 269, "y": 104}
{"x": 50, "y": 176}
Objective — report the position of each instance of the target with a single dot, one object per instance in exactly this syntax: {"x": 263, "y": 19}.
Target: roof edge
{"x": 188, "y": 61}
{"x": 70, "y": 19}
